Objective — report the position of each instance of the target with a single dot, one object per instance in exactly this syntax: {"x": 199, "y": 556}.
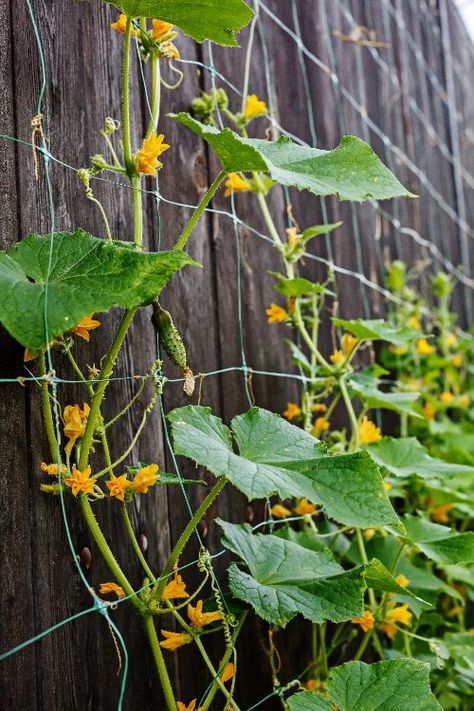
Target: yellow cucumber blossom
{"x": 160, "y": 29}
{"x": 275, "y": 314}
{"x": 446, "y": 397}
{"x": 117, "y": 486}
{"x": 235, "y": 184}
{"x": 254, "y": 107}
{"x": 369, "y": 433}
{"x": 75, "y": 421}
{"x": 120, "y": 25}
{"x": 280, "y": 511}
{"x": 176, "y": 588}
{"x": 146, "y": 160}
{"x": 80, "y": 482}
{"x": 337, "y": 358}
{"x": 320, "y": 425}
{"x": 305, "y": 508}
{"x": 292, "y": 411}
{"x": 107, "y": 588}
{"x": 348, "y": 343}
{"x": 85, "y": 325}
{"x": 424, "y": 348}
{"x": 145, "y": 478}
{"x": 366, "y": 622}
{"x": 174, "y": 640}
{"x": 199, "y": 619}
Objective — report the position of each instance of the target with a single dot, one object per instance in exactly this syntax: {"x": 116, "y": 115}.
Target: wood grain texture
{"x": 402, "y": 92}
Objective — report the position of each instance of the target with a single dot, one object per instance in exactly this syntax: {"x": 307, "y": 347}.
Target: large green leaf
{"x": 440, "y": 543}
{"x": 378, "y": 330}
{"x": 279, "y": 458}
{"x": 215, "y": 20}
{"x": 86, "y": 275}
{"x": 352, "y": 171}
{"x": 366, "y": 387}
{"x": 405, "y": 456}
{"x": 286, "y": 579}
{"x": 396, "y": 685}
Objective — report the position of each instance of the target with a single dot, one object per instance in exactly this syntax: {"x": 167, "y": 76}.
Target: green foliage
{"x": 405, "y": 456}
{"x": 439, "y": 543}
{"x": 215, "y": 20}
{"x": 87, "y": 275}
{"x": 377, "y": 330}
{"x": 278, "y": 458}
{"x": 391, "y": 685}
{"x": 351, "y": 171}
{"x": 366, "y": 386}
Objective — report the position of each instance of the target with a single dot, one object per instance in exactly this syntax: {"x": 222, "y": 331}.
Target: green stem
{"x": 322, "y": 647}
{"x": 248, "y": 57}
{"x": 365, "y": 560}
{"x": 268, "y": 218}
{"x": 365, "y": 640}
{"x": 137, "y": 209}
{"x": 160, "y": 663}
{"x": 103, "y": 214}
{"x": 351, "y": 413}
{"x": 186, "y": 534}
{"x": 227, "y": 655}
{"x": 136, "y": 547}
{"x": 155, "y": 93}
{"x": 47, "y": 412}
{"x": 299, "y": 323}
{"x": 127, "y": 145}
{"x": 107, "y": 554}
{"x": 101, "y": 387}
{"x": 211, "y": 191}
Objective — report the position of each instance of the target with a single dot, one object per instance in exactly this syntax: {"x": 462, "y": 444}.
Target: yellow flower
{"x": 387, "y": 485}
{"x": 366, "y": 621}
{"x": 280, "y": 511}
{"x": 320, "y": 425}
{"x": 146, "y": 159}
{"x": 457, "y": 360}
{"x": 440, "y": 513}
{"x": 348, "y": 342}
{"x": 292, "y": 411}
{"x": 429, "y": 410}
{"x": 276, "y": 314}
{"x": 173, "y": 640}
{"x": 414, "y": 322}
{"x": 319, "y": 407}
{"x": 402, "y": 580}
{"x": 450, "y": 341}
{"x": 254, "y": 107}
{"x": 337, "y": 357}
{"x": 305, "y": 508}
{"x": 160, "y": 28}
{"x": 117, "y": 486}
{"x": 398, "y": 350}
{"x": 423, "y": 347}
{"x": 464, "y": 401}
{"x": 190, "y": 707}
{"x": 75, "y": 420}
{"x": 120, "y": 24}
{"x": 52, "y": 469}
{"x": 175, "y": 588}
{"x": 106, "y": 588}
{"x": 369, "y": 433}
{"x": 80, "y": 482}
{"x": 400, "y": 614}
{"x": 85, "y": 325}
{"x": 228, "y": 672}
{"x": 145, "y": 478}
{"x": 199, "y": 619}
{"x": 170, "y": 50}
{"x": 369, "y": 533}
{"x": 446, "y": 397}
{"x": 314, "y": 685}
{"x": 235, "y": 184}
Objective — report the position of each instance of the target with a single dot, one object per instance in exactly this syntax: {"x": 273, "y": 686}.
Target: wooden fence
{"x": 411, "y": 98}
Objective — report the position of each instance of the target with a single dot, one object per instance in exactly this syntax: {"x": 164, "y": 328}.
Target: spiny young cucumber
{"x": 169, "y": 335}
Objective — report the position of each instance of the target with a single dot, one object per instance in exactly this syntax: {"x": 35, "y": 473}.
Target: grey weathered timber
{"x": 417, "y": 92}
